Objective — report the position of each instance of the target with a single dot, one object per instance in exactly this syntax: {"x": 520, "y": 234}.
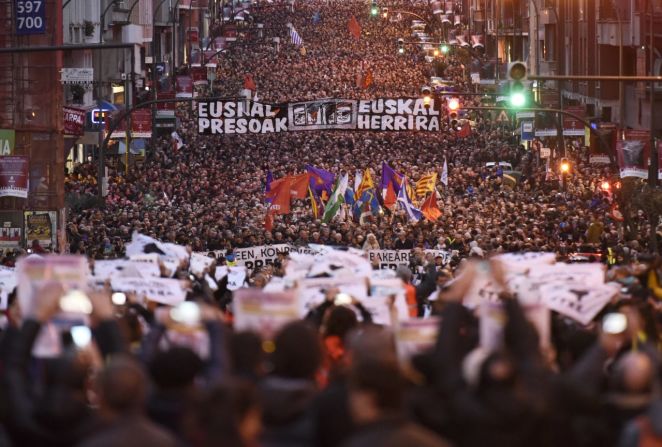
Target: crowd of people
{"x": 335, "y": 377}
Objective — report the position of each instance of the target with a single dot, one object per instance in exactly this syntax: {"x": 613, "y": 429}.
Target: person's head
{"x": 338, "y": 321}
{"x": 175, "y": 368}
{"x": 246, "y": 354}
{"x": 298, "y": 354}
{"x": 121, "y": 386}
{"x": 634, "y": 374}
{"x": 404, "y": 273}
{"x": 229, "y": 415}
{"x": 376, "y": 388}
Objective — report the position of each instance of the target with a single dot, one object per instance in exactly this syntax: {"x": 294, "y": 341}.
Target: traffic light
{"x": 385, "y": 13}
{"x": 374, "y": 9}
{"x": 427, "y": 96}
{"x": 401, "y": 46}
{"x": 444, "y": 48}
{"x": 517, "y": 95}
{"x": 453, "y": 113}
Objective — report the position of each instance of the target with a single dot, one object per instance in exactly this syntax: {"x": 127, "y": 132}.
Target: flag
{"x": 430, "y": 209}
{"x": 390, "y": 185}
{"x": 299, "y": 185}
{"x": 368, "y": 80}
{"x": 336, "y": 200}
{"x": 426, "y": 184}
{"x": 367, "y": 204}
{"x": 358, "y": 176}
{"x": 267, "y": 187}
{"x": 321, "y": 181}
{"x": 444, "y": 174}
{"x": 269, "y": 221}
{"x": 280, "y": 195}
{"x": 314, "y": 203}
{"x": 404, "y": 202}
{"x": 177, "y": 141}
{"x": 366, "y": 183}
{"x": 295, "y": 37}
{"x": 249, "y": 83}
{"x": 354, "y": 28}
{"x": 350, "y": 198}
{"x": 464, "y": 131}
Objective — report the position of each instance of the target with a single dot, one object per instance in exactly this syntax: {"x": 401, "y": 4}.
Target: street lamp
{"x": 564, "y": 167}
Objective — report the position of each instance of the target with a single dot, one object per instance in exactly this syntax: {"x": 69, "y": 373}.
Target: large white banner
{"x": 161, "y": 290}
{"x": 389, "y": 114}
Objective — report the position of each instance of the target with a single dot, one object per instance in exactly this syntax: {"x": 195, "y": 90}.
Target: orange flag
{"x": 465, "y": 131}
{"x": 280, "y": 194}
{"x": 390, "y": 198}
{"x": 249, "y": 82}
{"x": 354, "y": 28}
{"x": 430, "y": 209}
{"x": 299, "y": 185}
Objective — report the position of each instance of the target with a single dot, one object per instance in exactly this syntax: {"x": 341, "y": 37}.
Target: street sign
{"x": 77, "y": 75}
{"x": 545, "y": 152}
{"x": 30, "y": 17}
{"x": 523, "y": 115}
{"x": 526, "y": 133}
{"x": 7, "y": 141}
{"x": 503, "y": 117}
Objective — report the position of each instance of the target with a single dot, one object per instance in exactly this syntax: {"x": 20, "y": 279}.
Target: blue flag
{"x": 267, "y": 187}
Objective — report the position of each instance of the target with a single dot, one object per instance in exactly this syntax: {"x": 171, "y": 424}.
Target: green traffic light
{"x": 518, "y": 99}
{"x": 444, "y": 49}
{"x": 401, "y": 50}
{"x": 374, "y": 11}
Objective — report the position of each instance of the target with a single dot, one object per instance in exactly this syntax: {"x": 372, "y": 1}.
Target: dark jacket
{"x": 58, "y": 416}
{"x": 394, "y": 432}
{"x": 287, "y": 414}
{"x": 131, "y": 430}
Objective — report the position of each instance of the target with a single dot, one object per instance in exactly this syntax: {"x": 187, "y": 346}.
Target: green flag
{"x": 337, "y": 199}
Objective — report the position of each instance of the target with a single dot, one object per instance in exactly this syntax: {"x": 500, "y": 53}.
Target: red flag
{"x": 299, "y": 185}
{"x": 249, "y": 83}
{"x": 465, "y": 131}
{"x": 390, "y": 199}
{"x": 280, "y": 195}
{"x": 354, "y": 28}
{"x": 430, "y": 209}
{"x": 368, "y": 80}
{"x": 269, "y": 221}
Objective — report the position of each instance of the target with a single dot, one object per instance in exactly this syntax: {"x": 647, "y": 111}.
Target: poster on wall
{"x": 11, "y": 229}
{"x": 40, "y": 226}
{"x": 14, "y": 176}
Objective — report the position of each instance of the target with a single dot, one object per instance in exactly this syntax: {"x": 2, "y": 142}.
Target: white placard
{"x": 36, "y": 272}
{"x": 579, "y": 301}
{"x": 161, "y": 290}
{"x": 415, "y": 336}
{"x": 262, "y": 312}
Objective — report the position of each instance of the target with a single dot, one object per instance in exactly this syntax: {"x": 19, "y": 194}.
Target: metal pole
{"x": 652, "y": 176}
{"x": 174, "y": 15}
{"x": 155, "y": 80}
{"x": 621, "y": 87}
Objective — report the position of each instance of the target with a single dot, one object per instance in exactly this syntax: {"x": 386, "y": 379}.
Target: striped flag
{"x": 295, "y": 37}
{"x": 444, "y": 174}
{"x": 337, "y": 199}
{"x": 426, "y": 184}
